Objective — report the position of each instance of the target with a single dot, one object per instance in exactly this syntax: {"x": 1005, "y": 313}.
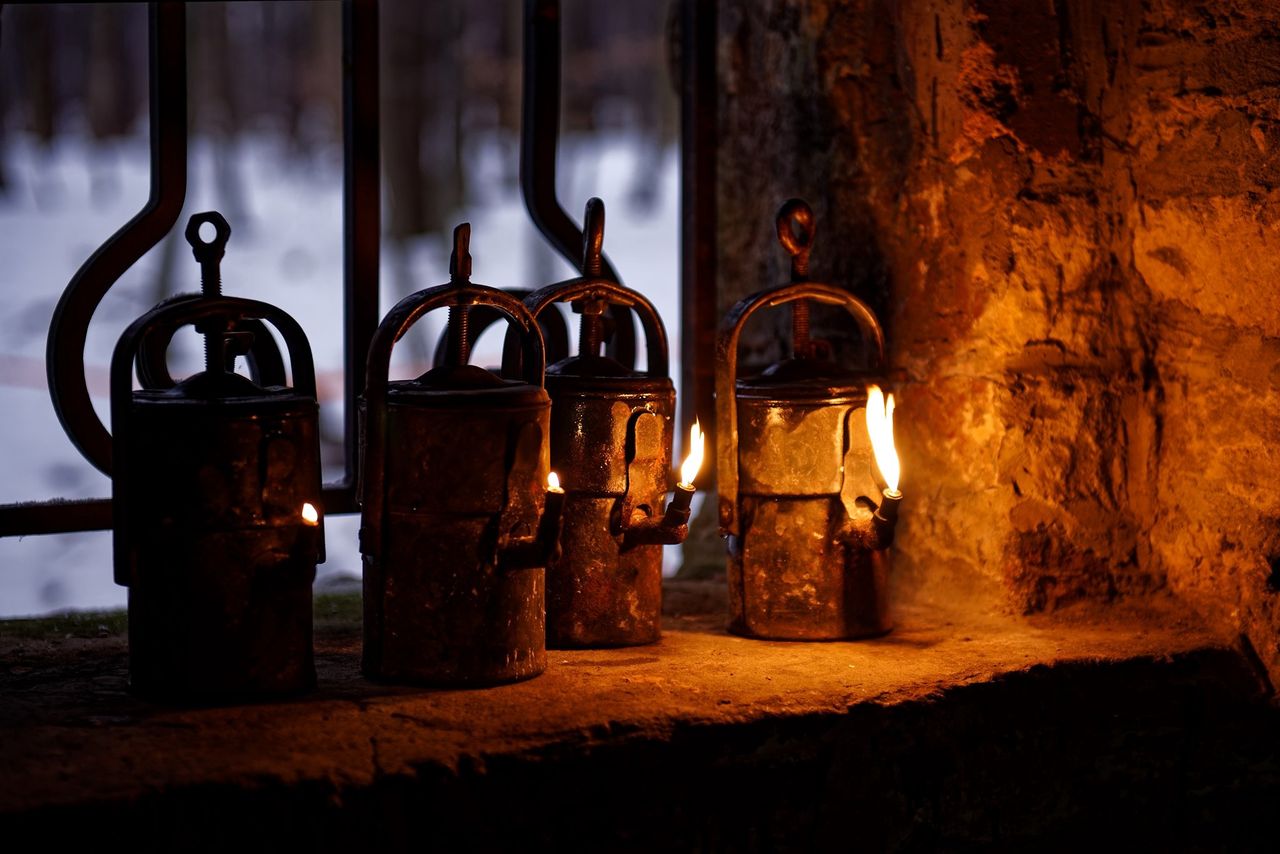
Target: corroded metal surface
{"x": 613, "y": 451}
{"x": 807, "y": 544}
{"x": 210, "y": 479}
{"x": 454, "y": 532}
{"x": 611, "y": 442}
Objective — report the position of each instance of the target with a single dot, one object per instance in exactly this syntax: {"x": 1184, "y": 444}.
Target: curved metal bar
{"x": 539, "y": 137}
{"x": 64, "y": 355}
{"x": 727, "y": 369}
{"x": 540, "y": 128}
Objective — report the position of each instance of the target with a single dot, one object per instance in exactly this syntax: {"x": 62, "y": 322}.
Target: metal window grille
{"x": 64, "y": 356}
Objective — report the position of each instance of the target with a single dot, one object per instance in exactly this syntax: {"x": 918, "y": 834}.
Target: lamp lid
{"x": 463, "y": 386}
{"x": 799, "y": 378}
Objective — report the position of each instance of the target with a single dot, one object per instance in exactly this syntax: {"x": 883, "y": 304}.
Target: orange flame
{"x": 310, "y": 515}
{"x": 553, "y": 482}
{"x": 880, "y": 428}
{"x": 693, "y": 459}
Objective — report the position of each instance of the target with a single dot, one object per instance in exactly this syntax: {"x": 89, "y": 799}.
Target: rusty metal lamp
{"x": 807, "y": 526}
{"x": 457, "y": 525}
{"x": 216, "y": 496}
{"x": 611, "y": 442}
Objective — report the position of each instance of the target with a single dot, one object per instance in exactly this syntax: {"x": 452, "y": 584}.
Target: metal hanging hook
{"x": 591, "y": 330}
{"x": 795, "y": 232}
{"x": 211, "y": 251}
{"x": 460, "y": 257}
{"x": 209, "y": 255}
{"x": 593, "y": 238}
{"x": 460, "y": 314}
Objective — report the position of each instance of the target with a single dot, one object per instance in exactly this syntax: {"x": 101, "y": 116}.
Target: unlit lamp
{"x": 215, "y": 488}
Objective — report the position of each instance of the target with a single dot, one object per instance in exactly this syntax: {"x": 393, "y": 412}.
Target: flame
{"x": 880, "y": 428}
{"x": 692, "y": 462}
{"x": 310, "y": 515}
{"x": 553, "y": 482}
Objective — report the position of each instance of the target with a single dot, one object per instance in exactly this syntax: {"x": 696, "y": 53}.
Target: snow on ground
{"x": 286, "y": 248}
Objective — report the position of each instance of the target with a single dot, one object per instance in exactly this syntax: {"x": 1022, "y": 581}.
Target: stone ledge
{"x": 958, "y": 728}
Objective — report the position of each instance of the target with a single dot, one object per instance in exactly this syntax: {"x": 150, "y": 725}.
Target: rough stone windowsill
{"x": 76, "y": 742}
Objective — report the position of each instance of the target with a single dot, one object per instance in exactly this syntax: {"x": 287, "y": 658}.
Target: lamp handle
{"x": 555, "y": 334}
{"x": 593, "y": 286}
{"x": 459, "y": 295}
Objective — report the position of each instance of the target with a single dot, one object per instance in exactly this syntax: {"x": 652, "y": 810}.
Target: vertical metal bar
{"x": 64, "y": 353}
{"x": 361, "y": 215}
{"x": 699, "y": 313}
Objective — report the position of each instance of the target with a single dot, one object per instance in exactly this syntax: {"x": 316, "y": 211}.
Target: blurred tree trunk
{"x": 403, "y": 73}
{"x": 109, "y": 104}
{"x": 304, "y": 47}
{"x": 33, "y": 34}
{"x": 4, "y": 112}
{"x": 421, "y": 111}
{"x": 404, "y": 49}
{"x": 421, "y": 132}
{"x": 324, "y": 67}
{"x": 214, "y": 114}
{"x": 216, "y": 108}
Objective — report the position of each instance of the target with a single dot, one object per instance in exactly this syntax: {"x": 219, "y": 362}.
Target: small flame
{"x": 310, "y": 515}
{"x": 693, "y": 461}
{"x": 880, "y": 428}
{"x": 553, "y": 482}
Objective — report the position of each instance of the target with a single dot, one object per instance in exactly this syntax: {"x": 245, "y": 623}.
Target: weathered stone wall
{"x": 1063, "y": 211}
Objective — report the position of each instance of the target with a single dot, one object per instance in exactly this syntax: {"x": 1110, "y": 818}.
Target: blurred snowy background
{"x": 266, "y": 150}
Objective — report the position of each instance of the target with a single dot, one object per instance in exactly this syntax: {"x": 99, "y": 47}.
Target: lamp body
{"x": 804, "y": 460}
{"x": 464, "y": 474}
{"x": 210, "y": 477}
{"x": 456, "y": 529}
{"x": 220, "y": 598}
{"x": 611, "y": 443}
{"x": 611, "y": 440}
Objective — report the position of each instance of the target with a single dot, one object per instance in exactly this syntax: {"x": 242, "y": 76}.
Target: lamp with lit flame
{"x": 201, "y": 627}
{"x": 806, "y": 537}
{"x": 612, "y": 444}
